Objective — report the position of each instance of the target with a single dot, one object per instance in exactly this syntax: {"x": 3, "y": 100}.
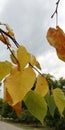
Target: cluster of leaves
{"x": 19, "y": 77}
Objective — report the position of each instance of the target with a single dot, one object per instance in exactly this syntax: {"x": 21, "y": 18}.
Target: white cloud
{"x": 30, "y": 21}
{"x": 51, "y": 64}
{"x": 2, "y": 5}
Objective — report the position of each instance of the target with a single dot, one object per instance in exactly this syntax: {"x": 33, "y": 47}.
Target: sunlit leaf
{"x": 56, "y": 38}
{"x": 23, "y": 56}
{"x": 41, "y": 85}
{"x": 19, "y": 83}
{"x": 59, "y": 99}
{"x": 36, "y": 105}
{"x": 5, "y": 40}
{"x": 51, "y": 104}
{"x": 5, "y": 68}
{"x": 34, "y": 62}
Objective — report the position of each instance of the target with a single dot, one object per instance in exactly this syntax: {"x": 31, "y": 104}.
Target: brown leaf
{"x": 5, "y": 40}
{"x": 56, "y": 38}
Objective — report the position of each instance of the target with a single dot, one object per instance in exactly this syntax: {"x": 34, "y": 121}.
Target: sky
{"x": 30, "y": 20}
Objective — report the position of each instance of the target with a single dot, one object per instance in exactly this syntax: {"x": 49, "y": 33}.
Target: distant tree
{"x": 7, "y": 111}
{"x": 1, "y": 103}
{"x": 61, "y": 82}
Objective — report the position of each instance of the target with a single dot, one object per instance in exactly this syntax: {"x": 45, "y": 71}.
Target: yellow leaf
{"x": 5, "y": 40}
{"x": 56, "y": 38}
{"x": 17, "y": 107}
{"x": 10, "y": 31}
{"x": 41, "y": 85}
{"x": 59, "y": 99}
{"x": 19, "y": 83}
{"x": 23, "y": 56}
{"x": 38, "y": 65}
{"x": 5, "y": 68}
{"x": 34, "y": 62}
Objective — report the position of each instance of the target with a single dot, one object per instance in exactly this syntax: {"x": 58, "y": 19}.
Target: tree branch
{"x": 36, "y": 69}
{"x": 8, "y": 47}
{"x": 56, "y": 12}
{"x": 13, "y": 39}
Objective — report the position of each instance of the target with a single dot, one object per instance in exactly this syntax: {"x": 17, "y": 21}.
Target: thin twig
{"x": 13, "y": 39}
{"x": 36, "y": 69}
{"x": 56, "y": 12}
{"x": 13, "y": 54}
{"x": 16, "y": 43}
{"x": 8, "y": 47}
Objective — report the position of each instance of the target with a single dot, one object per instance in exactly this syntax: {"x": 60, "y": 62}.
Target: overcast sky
{"x": 30, "y": 20}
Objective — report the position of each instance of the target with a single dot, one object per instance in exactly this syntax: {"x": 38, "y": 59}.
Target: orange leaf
{"x": 56, "y": 38}
{"x": 17, "y": 107}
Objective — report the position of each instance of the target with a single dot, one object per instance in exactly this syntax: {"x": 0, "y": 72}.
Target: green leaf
{"x": 51, "y": 104}
{"x": 36, "y": 105}
{"x": 59, "y": 98}
{"x": 5, "y": 68}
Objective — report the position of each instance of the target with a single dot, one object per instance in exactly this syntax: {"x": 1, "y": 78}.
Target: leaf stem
{"x": 17, "y": 45}
{"x": 36, "y": 69}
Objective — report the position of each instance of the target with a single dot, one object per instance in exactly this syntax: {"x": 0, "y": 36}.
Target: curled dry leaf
{"x": 56, "y": 38}
{"x": 5, "y": 40}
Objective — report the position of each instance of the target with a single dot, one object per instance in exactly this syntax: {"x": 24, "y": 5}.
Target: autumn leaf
{"x": 13, "y": 57}
{"x": 17, "y": 107}
{"x": 18, "y": 83}
{"x": 5, "y": 40}
{"x": 42, "y": 85}
{"x": 56, "y": 38}
{"x": 59, "y": 99}
{"x": 5, "y": 68}
{"x": 23, "y": 56}
{"x": 33, "y": 61}
{"x": 10, "y": 31}
{"x": 36, "y": 105}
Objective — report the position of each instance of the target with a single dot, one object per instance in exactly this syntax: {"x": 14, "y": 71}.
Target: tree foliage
{"x": 20, "y": 75}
